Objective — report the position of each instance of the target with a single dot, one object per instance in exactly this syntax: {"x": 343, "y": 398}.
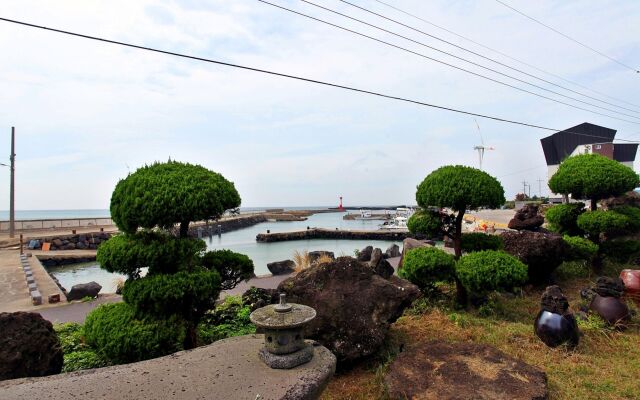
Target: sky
{"x": 88, "y": 113}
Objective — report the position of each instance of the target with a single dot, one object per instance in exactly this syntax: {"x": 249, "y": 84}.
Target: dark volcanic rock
{"x": 281, "y": 267}
{"x": 553, "y": 300}
{"x": 315, "y": 255}
{"x": 542, "y": 252}
{"x": 354, "y": 305}
{"x": 440, "y": 370}
{"x": 609, "y": 287}
{"x": 28, "y": 346}
{"x": 384, "y": 269}
{"x": 376, "y": 256}
{"x": 365, "y": 254}
{"x": 392, "y": 251}
{"x": 83, "y": 290}
{"x": 258, "y": 297}
{"x": 527, "y": 218}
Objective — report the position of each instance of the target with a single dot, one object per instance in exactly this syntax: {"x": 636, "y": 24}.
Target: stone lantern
{"x": 284, "y": 344}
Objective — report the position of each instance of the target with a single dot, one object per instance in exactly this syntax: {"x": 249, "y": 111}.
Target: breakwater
{"x": 83, "y": 241}
{"x": 317, "y": 233}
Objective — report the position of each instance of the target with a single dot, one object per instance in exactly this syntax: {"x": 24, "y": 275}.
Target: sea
{"x": 241, "y": 241}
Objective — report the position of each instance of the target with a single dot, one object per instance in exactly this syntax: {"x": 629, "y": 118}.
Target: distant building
{"x": 586, "y": 138}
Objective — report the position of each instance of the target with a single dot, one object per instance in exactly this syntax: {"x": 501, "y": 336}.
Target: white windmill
{"x": 481, "y": 148}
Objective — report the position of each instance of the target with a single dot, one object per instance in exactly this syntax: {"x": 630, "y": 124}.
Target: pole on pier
{"x": 12, "y": 211}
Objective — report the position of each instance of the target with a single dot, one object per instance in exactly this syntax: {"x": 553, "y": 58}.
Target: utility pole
{"x": 540, "y": 187}
{"x": 524, "y": 187}
{"x": 12, "y": 210}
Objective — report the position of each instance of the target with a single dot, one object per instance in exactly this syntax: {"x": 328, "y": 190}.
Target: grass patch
{"x": 77, "y": 354}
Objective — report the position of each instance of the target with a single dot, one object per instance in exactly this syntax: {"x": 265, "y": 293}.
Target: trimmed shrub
{"x": 485, "y": 271}
{"x": 609, "y": 223}
{"x": 633, "y": 215}
{"x": 84, "y": 359}
{"x": 425, "y": 223}
{"x": 478, "y": 241}
{"x": 424, "y": 266}
{"x": 621, "y": 251}
{"x": 563, "y": 218}
{"x": 232, "y": 267}
{"x": 579, "y": 248}
{"x": 541, "y": 252}
{"x": 114, "y": 332}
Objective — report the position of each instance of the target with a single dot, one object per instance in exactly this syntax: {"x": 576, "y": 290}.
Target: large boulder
{"x": 82, "y": 290}
{"x": 28, "y": 346}
{"x": 409, "y": 244}
{"x": 365, "y": 254}
{"x": 392, "y": 251}
{"x": 542, "y": 252}
{"x": 527, "y": 219}
{"x": 443, "y": 371}
{"x": 281, "y": 267}
{"x": 355, "y": 306}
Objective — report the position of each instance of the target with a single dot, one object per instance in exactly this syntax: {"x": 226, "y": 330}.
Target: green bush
{"x": 563, "y": 218}
{"x": 114, "y": 332}
{"x": 621, "y": 251}
{"x": 231, "y": 318}
{"x": 84, "y": 359}
{"x": 485, "y": 271}
{"x": 478, "y": 241}
{"x": 232, "y": 267}
{"x": 579, "y": 248}
{"x": 71, "y": 336}
{"x": 164, "y": 295}
{"x": 606, "y": 222}
{"x": 424, "y": 266}
{"x": 633, "y": 215}
{"x": 425, "y": 223}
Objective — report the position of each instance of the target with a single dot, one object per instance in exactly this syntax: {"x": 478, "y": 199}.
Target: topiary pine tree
{"x": 457, "y": 188}
{"x": 147, "y": 206}
{"x": 593, "y": 177}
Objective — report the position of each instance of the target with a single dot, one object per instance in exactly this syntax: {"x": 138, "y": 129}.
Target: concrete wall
{"x": 55, "y": 223}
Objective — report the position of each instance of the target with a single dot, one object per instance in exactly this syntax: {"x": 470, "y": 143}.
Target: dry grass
{"x": 605, "y": 365}
{"x": 323, "y": 259}
{"x": 119, "y": 283}
{"x": 302, "y": 260}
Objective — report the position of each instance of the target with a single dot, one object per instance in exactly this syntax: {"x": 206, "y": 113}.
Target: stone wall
{"x": 332, "y": 234}
{"x": 227, "y": 225}
{"x": 82, "y": 241}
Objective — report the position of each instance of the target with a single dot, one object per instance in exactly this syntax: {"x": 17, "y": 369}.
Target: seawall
{"x": 317, "y": 233}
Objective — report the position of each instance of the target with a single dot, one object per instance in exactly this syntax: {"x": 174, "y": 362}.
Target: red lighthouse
{"x": 340, "y": 205}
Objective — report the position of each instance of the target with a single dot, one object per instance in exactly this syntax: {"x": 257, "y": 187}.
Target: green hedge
{"x": 113, "y": 331}
{"x": 563, "y": 218}
{"x": 621, "y": 251}
{"x": 485, "y": 271}
{"x": 425, "y": 223}
{"x": 424, "y": 266}
{"x": 606, "y": 222}
{"x": 579, "y": 248}
{"x": 478, "y": 241}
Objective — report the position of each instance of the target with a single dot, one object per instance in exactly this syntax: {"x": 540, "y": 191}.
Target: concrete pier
{"x": 318, "y": 233}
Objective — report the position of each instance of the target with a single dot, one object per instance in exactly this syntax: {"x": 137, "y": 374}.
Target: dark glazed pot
{"x": 611, "y": 309}
{"x": 631, "y": 279}
{"x": 555, "y": 329}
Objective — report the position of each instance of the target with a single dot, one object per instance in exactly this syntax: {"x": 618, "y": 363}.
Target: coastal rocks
{"x": 631, "y": 280}
{"x": 527, "y": 218}
{"x": 281, "y": 267}
{"x": 28, "y": 346}
{"x": 365, "y": 254}
{"x": 71, "y": 242}
{"x": 314, "y": 256}
{"x": 441, "y": 370}
{"x": 355, "y": 306}
{"x": 227, "y": 225}
{"x": 380, "y": 265}
{"x": 409, "y": 244}
{"x": 392, "y": 251}
{"x": 376, "y": 256}
{"x": 606, "y": 301}
{"x": 542, "y": 252}
{"x": 553, "y": 324}
{"x": 83, "y": 290}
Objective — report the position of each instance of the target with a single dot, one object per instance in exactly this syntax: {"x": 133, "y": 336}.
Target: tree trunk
{"x": 457, "y": 235}
{"x": 184, "y": 229}
{"x": 191, "y": 336}
{"x": 594, "y": 204}
{"x": 461, "y": 293}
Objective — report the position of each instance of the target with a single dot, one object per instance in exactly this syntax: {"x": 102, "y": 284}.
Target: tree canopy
{"x": 593, "y": 177}
{"x": 460, "y": 188}
{"x": 165, "y": 194}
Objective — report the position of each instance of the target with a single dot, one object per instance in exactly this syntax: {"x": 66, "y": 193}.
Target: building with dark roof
{"x": 586, "y": 138}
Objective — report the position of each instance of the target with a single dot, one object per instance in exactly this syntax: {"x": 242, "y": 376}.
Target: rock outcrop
{"x": 441, "y": 370}
{"x": 527, "y": 219}
{"x": 365, "y": 254}
{"x": 28, "y": 346}
{"x": 281, "y": 267}
{"x": 355, "y": 306}
{"x": 542, "y": 252}
{"x": 392, "y": 251}
{"x": 82, "y": 290}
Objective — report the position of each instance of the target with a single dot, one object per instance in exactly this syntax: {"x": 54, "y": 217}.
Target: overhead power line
{"x": 295, "y": 77}
{"x": 470, "y": 61}
{"x": 636, "y": 70}
{"x": 444, "y": 62}
{"x": 476, "y": 54}
{"x": 502, "y": 53}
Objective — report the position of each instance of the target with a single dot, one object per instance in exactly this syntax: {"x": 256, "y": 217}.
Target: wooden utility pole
{"x": 12, "y": 210}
